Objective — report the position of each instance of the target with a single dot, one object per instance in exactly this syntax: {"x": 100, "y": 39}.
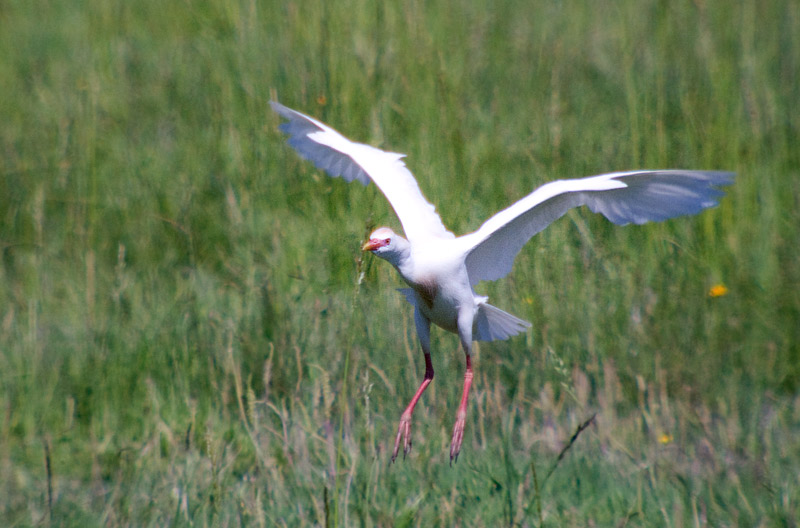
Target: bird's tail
{"x": 492, "y": 323}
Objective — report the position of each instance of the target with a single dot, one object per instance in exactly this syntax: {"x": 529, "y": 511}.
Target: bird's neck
{"x": 400, "y": 257}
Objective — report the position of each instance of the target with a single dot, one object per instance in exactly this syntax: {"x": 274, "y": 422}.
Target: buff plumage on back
{"x": 338, "y": 156}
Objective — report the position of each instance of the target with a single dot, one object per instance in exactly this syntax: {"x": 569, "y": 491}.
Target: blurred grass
{"x": 178, "y": 291}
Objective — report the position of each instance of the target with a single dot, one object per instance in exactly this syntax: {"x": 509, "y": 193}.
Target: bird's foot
{"x": 458, "y": 436}
{"x": 404, "y": 432}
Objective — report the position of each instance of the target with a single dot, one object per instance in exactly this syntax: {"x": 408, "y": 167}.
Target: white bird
{"x": 441, "y": 269}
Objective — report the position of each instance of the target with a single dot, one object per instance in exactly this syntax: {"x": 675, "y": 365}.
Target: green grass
{"x": 185, "y": 336}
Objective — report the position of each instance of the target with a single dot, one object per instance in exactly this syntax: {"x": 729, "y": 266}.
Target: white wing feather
{"x": 622, "y": 197}
{"x": 338, "y": 156}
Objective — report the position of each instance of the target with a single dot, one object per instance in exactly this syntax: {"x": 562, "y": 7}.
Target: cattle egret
{"x": 441, "y": 269}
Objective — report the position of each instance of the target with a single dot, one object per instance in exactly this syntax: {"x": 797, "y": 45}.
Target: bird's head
{"x": 380, "y": 241}
{"x": 385, "y": 243}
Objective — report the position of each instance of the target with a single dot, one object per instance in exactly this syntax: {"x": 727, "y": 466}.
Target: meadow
{"x": 191, "y": 336}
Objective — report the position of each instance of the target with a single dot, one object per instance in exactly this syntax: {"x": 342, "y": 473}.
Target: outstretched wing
{"x": 338, "y": 156}
{"x": 622, "y": 197}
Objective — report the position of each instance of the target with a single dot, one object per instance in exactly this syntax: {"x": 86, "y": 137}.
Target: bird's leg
{"x": 465, "y": 334}
{"x": 461, "y": 415}
{"x": 404, "y": 431}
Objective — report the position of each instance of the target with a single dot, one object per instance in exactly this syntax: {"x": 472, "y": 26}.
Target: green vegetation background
{"x": 189, "y": 334}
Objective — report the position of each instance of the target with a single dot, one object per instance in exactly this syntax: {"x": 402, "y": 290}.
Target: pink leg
{"x": 461, "y": 415}
{"x": 404, "y": 430}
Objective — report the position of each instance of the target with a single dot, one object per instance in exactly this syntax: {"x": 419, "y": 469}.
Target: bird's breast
{"x": 428, "y": 291}
{"x": 439, "y": 279}
{"x": 442, "y": 302}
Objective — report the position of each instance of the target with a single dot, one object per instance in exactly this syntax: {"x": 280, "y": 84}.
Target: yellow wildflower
{"x": 718, "y": 290}
{"x": 665, "y": 438}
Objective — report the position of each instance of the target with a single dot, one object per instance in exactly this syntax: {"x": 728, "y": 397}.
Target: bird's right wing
{"x": 622, "y": 197}
{"x": 338, "y": 156}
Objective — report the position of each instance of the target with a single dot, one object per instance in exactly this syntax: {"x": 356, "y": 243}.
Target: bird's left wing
{"x": 622, "y": 197}
{"x": 338, "y": 156}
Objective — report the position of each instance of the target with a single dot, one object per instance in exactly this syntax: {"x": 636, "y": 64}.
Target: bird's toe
{"x": 458, "y": 437}
{"x": 404, "y": 433}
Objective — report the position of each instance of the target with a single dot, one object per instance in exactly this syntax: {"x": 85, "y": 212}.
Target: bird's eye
{"x": 387, "y": 240}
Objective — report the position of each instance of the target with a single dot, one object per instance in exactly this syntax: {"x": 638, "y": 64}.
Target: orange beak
{"x": 372, "y": 244}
